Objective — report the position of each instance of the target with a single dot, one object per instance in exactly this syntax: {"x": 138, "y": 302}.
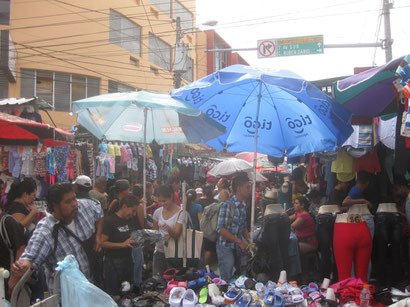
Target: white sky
{"x": 241, "y": 23}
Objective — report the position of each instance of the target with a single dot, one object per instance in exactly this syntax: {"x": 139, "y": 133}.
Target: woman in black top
{"x": 20, "y": 203}
{"x": 12, "y": 239}
{"x": 117, "y": 244}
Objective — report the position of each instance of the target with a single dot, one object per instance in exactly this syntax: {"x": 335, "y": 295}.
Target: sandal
{"x": 203, "y": 295}
{"x": 199, "y": 283}
{"x": 233, "y": 294}
{"x": 313, "y": 288}
{"x": 244, "y": 300}
{"x": 296, "y": 296}
{"x": 169, "y": 274}
{"x": 219, "y": 282}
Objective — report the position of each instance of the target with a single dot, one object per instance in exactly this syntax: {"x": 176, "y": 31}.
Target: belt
{"x": 306, "y": 239}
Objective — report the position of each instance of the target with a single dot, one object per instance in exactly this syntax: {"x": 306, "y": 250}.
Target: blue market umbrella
{"x": 144, "y": 117}
{"x": 269, "y": 112}
{"x": 123, "y": 116}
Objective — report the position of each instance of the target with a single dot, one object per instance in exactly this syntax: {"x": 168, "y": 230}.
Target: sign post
{"x": 291, "y": 46}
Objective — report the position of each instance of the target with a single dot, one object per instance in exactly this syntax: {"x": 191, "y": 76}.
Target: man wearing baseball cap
{"x": 82, "y": 186}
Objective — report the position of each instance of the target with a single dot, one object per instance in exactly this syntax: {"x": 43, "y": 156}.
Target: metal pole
{"x": 184, "y": 249}
{"x": 387, "y": 30}
{"x": 144, "y": 171}
{"x": 255, "y": 154}
{"x": 177, "y": 75}
{"x": 362, "y": 45}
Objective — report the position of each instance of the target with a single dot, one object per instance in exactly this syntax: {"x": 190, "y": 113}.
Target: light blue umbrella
{"x": 144, "y": 117}
{"x": 269, "y": 112}
{"x": 123, "y": 116}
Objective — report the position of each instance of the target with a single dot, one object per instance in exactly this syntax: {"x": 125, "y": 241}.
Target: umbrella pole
{"x": 184, "y": 225}
{"x": 144, "y": 171}
{"x": 255, "y": 153}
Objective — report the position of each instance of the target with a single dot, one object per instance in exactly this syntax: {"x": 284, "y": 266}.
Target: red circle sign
{"x": 267, "y": 48}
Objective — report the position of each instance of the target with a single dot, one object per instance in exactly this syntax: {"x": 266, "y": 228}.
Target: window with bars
{"x": 116, "y": 87}
{"x": 159, "y": 52}
{"x": 187, "y": 18}
{"x": 125, "y": 33}
{"x": 4, "y": 12}
{"x": 59, "y": 89}
{"x": 163, "y": 5}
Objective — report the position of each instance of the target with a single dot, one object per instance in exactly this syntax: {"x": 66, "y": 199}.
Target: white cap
{"x": 83, "y": 180}
{"x": 199, "y": 191}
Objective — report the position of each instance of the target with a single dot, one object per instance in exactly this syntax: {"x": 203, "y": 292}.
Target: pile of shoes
{"x": 189, "y": 288}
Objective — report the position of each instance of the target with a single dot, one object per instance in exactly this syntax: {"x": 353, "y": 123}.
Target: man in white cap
{"x": 82, "y": 186}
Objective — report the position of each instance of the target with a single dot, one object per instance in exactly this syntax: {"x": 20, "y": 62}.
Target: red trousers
{"x": 352, "y": 244}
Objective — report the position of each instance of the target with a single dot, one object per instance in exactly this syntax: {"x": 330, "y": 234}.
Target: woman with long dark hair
{"x": 118, "y": 191}
{"x": 168, "y": 220}
{"x": 20, "y": 203}
{"x": 117, "y": 244}
{"x": 304, "y": 225}
{"x": 193, "y": 208}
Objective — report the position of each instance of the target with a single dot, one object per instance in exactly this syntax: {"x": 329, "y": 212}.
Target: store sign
{"x": 172, "y": 130}
{"x": 291, "y": 46}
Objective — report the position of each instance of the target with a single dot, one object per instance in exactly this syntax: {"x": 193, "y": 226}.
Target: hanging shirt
{"x": 369, "y": 163}
{"x": 27, "y": 167}
{"x": 111, "y": 150}
{"x": 15, "y": 162}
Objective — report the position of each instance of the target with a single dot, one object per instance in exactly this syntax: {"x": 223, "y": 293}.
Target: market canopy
{"x": 19, "y": 131}
{"x": 370, "y": 93}
{"x": 123, "y": 116}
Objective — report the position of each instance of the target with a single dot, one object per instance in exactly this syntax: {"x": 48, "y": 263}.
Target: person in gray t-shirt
{"x": 98, "y": 192}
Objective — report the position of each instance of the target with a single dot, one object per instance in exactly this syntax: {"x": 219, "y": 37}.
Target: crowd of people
{"x": 94, "y": 223}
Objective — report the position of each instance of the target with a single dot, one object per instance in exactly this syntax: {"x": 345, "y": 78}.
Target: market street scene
{"x": 199, "y": 153}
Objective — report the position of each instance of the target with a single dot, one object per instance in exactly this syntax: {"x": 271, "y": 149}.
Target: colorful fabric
{"x": 369, "y": 163}
{"x": 60, "y": 154}
{"x": 15, "y": 162}
{"x": 40, "y": 165}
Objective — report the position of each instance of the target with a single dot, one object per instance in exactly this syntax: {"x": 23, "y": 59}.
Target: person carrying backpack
{"x": 208, "y": 225}
{"x": 232, "y": 229}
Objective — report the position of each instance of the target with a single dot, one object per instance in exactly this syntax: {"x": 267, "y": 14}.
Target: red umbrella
{"x": 262, "y": 162}
{"x": 19, "y": 131}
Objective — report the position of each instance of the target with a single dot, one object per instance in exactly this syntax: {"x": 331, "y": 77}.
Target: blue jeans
{"x": 116, "y": 271}
{"x": 138, "y": 259}
{"x": 159, "y": 264}
{"x": 229, "y": 260}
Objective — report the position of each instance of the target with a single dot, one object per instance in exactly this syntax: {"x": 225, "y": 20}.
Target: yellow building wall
{"x": 73, "y": 36}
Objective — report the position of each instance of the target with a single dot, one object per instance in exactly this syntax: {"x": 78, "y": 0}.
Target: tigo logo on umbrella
{"x": 297, "y": 124}
{"x": 250, "y": 124}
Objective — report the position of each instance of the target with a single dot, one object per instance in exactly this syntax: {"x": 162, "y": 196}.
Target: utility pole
{"x": 177, "y": 74}
{"x": 387, "y": 42}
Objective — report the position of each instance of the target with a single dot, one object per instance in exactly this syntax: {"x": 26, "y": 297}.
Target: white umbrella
{"x": 234, "y": 166}
{"x": 230, "y": 167}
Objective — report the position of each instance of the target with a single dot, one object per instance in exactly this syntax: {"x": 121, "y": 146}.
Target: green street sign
{"x": 291, "y": 46}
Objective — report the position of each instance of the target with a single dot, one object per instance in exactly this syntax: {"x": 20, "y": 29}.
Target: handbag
{"x": 173, "y": 248}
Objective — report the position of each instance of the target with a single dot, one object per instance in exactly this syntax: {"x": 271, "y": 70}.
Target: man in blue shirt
{"x": 50, "y": 243}
{"x": 232, "y": 228}
{"x": 355, "y": 195}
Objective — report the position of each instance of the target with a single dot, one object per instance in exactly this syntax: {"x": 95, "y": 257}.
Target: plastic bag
{"x": 145, "y": 237}
{"x": 76, "y": 290}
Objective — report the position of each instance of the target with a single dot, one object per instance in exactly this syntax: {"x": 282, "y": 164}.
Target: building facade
{"x": 62, "y": 51}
